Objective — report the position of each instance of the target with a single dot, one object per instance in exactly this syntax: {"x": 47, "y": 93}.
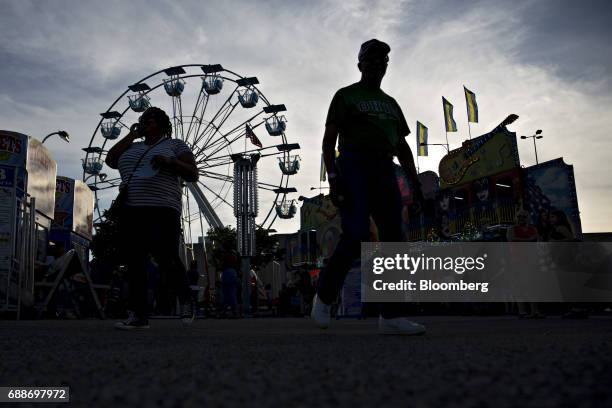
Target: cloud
{"x": 71, "y": 60}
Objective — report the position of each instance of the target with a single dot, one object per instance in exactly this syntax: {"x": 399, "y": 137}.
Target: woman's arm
{"x": 183, "y": 166}
{"x": 112, "y": 158}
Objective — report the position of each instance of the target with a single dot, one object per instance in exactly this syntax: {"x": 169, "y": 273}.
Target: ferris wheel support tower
{"x": 245, "y": 210}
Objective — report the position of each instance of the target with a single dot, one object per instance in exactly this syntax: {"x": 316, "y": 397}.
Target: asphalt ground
{"x": 268, "y": 362}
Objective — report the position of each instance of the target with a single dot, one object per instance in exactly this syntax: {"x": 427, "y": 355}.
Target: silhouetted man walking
{"x": 370, "y": 129}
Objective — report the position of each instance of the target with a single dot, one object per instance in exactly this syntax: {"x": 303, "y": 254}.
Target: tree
{"x": 106, "y": 243}
{"x": 224, "y": 241}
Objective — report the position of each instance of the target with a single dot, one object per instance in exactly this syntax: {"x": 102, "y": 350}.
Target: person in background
{"x": 543, "y": 225}
{"x": 218, "y": 300}
{"x": 523, "y": 231}
{"x": 283, "y": 301}
{"x": 193, "y": 275}
{"x": 561, "y": 231}
{"x": 229, "y": 284}
{"x": 560, "y": 228}
{"x": 268, "y": 289}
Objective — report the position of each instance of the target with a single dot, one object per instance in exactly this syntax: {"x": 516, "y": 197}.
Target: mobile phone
{"x": 136, "y": 129}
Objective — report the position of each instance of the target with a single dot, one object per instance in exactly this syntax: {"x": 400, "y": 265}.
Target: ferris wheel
{"x": 220, "y": 115}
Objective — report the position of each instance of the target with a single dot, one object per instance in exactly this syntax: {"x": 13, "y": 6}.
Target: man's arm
{"x": 329, "y": 148}
{"x": 404, "y": 155}
{"x": 329, "y": 158}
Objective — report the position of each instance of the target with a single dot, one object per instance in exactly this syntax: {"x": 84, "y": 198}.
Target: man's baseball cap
{"x": 373, "y": 47}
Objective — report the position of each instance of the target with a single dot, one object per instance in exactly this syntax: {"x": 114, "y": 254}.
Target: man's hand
{"x": 163, "y": 162}
{"x": 335, "y": 194}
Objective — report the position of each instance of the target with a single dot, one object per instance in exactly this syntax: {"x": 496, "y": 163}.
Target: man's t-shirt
{"x": 149, "y": 186}
{"x": 368, "y": 120}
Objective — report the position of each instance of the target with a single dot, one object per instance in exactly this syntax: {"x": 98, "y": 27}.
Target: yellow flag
{"x": 472, "y": 107}
{"x": 421, "y": 139}
{"x": 322, "y": 172}
{"x": 449, "y": 122}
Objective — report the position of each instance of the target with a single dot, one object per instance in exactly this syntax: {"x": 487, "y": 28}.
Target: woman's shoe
{"x": 132, "y": 323}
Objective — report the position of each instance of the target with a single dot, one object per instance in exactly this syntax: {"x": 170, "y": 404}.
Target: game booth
{"x": 27, "y": 201}
{"x": 475, "y": 196}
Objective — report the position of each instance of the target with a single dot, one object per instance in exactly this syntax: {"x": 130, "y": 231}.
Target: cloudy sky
{"x": 550, "y": 62}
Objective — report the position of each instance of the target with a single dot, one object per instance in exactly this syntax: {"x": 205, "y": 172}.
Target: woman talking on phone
{"x": 151, "y": 171}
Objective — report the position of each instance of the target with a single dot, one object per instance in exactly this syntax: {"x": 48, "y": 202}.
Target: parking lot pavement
{"x": 460, "y": 362}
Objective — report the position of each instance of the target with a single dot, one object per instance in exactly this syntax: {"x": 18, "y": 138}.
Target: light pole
{"x": 61, "y": 133}
{"x": 101, "y": 176}
{"x": 538, "y": 135}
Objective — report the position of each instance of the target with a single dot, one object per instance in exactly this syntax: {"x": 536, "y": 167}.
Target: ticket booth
{"x": 27, "y": 201}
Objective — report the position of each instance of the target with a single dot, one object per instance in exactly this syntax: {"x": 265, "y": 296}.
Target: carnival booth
{"x": 475, "y": 197}
{"x": 27, "y": 201}
{"x": 481, "y": 187}
{"x": 72, "y": 225}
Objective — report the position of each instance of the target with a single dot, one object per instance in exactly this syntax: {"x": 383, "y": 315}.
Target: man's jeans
{"x": 369, "y": 186}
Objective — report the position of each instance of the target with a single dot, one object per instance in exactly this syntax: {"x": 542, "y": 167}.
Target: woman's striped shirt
{"x": 152, "y": 187}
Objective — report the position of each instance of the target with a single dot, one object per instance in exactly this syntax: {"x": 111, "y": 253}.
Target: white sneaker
{"x": 400, "y": 325}
{"x": 320, "y": 313}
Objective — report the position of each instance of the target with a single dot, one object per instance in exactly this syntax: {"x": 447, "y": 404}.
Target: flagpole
{"x": 469, "y": 128}
{"x": 447, "y": 145}
{"x": 418, "y": 171}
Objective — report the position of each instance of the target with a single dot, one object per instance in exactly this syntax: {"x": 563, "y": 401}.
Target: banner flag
{"x": 421, "y": 139}
{"x": 449, "y": 122}
{"x": 472, "y": 107}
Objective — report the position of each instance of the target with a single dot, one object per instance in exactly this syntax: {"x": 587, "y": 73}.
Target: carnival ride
{"x": 216, "y": 112}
